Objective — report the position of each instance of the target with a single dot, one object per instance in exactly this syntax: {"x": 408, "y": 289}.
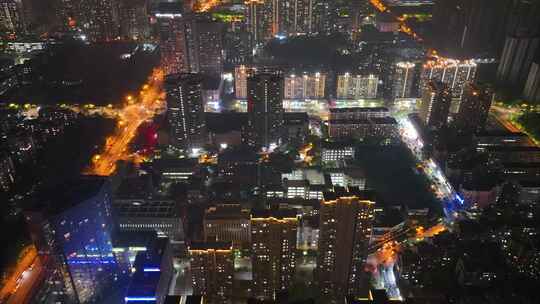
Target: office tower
{"x": 273, "y": 240}
{"x": 185, "y": 110}
{"x": 153, "y": 274}
{"x": 71, "y": 227}
{"x": 134, "y": 19}
{"x": 173, "y": 42}
{"x": 403, "y": 78}
{"x": 531, "y": 93}
{"x": 454, "y": 73}
{"x": 11, "y": 16}
{"x": 436, "y": 100}
{"x": 516, "y": 60}
{"x": 345, "y": 229}
{"x": 212, "y": 270}
{"x": 357, "y": 86}
{"x": 306, "y": 86}
{"x": 227, "y": 223}
{"x": 474, "y": 109}
{"x": 209, "y": 46}
{"x": 265, "y": 108}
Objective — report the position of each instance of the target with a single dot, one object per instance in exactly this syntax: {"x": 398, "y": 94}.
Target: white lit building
{"x": 357, "y": 86}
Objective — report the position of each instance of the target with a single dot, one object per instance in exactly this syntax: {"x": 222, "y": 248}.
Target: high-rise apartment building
{"x": 345, "y": 229}
{"x": 273, "y": 241}
{"x": 474, "y": 108}
{"x": 173, "y": 37}
{"x": 241, "y": 74}
{"x": 11, "y": 16}
{"x": 518, "y": 55}
{"x": 185, "y": 110}
{"x": 259, "y": 20}
{"x": 71, "y": 227}
{"x": 454, "y": 73}
{"x": 403, "y": 79}
{"x": 134, "y": 19}
{"x": 265, "y": 109}
{"x": 357, "y": 86}
{"x": 212, "y": 270}
{"x": 209, "y": 46}
{"x": 227, "y": 223}
{"x": 305, "y": 86}
{"x": 435, "y": 108}
{"x": 531, "y": 92}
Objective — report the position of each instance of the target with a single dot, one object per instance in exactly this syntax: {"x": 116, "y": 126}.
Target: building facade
{"x": 357, "y": 86}
{"x": 435, "y": 108}
{"x": 71, "y": 228}
{"x": 265, "y": 109}
{"x": 212, "y": 270}
{"x": 345, "y": 229}
{"x": 226, "y": 223}
{"x": 273, "y": 242}
{"x": 474, "y": 108}
{"x": 305, "y": 86}
{"x": 185, "y": 111}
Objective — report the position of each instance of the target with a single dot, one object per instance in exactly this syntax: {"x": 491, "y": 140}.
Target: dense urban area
{"x": 269, "y": 151}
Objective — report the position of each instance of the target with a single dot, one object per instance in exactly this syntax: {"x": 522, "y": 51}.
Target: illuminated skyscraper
{"x": 185, "y": 110}
{"x": 241, "y": 74}
{"x": 212, "y": 270}
{"x": 265, "y": 109}
{"x": 357, "y": 86}
{"x": 454, "y": 73}
{"x": 227, "y": 223}
{"x": 435, "y": 108}
{"x": 345, "y": 229}
{"x": 71, "y": 228}
{"x": 403, "y": 78}
{"x": 474, "y": 109}
{"x": 273, "y": 240}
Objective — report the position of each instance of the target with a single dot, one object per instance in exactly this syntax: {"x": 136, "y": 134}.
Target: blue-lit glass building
{"x": 153, "y": 274}
{"x": 71, "y": 227}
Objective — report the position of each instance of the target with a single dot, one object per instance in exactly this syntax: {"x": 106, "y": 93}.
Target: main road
{"x": 137, "y": 110}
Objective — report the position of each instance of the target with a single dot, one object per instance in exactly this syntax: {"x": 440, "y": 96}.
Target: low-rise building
{"x": 334, "y": 151}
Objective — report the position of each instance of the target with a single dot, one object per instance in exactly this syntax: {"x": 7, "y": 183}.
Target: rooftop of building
{"x": 359, "y": 109}
{"x": 297, "y": 183}
{"x": 295, "y": 118}
{"x": 529, "y": 184}
{"x": 133, "y": 238}
{"x": 226, "y": 211}
{"x": 241, "y": 154}
{"x": 69, "y": 194}
{"x": 187, "y": 78}
{"x": 164, "y": 164}
{"x": 135, "y": 187}
{"x": 336, "y": 145}
{"x": 512, "y": 149}
{"x": 199, "y": 245}
{"x": 367, "y": 195}
{"x": 226, "y": 122}
{"x": 280, "y": 213}
{"x": 500, "y": 133}
{"x": 366, "y": 121}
